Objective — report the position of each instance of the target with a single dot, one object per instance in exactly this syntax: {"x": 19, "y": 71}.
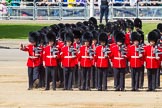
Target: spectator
{"x": 3, "y": 8}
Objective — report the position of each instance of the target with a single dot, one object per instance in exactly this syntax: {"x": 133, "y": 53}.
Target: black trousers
{"x": 141, "y": 77}
{"x": 151, "y": 74}
{"x": 135, "y": 77}
{"x": 50, "y": 73}
{"x": 158, "y": 78}
{"x": 102, "y": 78}
{"x": 68, "y": 77}
{"x": 93, "y": 77}
{"x": 75, "y": 76}
{"x": 42, "y": 76}
{"x": 104, "y": 10}
{"x": 85, "y": 76}
{"x": 119, "y": 77}
{"x": 33, "y": 73}
{"x": 60, "y": 75}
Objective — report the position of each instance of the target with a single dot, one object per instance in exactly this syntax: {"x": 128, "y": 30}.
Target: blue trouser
{"x": 119, "y": 78}
{"x": 135, "y": 77}
{"x": 68, "y": 77}
{"x": 50, "y": 72}
{"x": 85, "y": 76}
{"x": 33, "y": 73}
{"x": 104, "y": 9}
{"x": 151, "y": 74}
{"x": 102, "y": 78}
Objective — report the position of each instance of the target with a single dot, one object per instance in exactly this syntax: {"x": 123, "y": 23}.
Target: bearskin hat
{"x": 158, "y": 33}
{"x": 159, "y": 26}
{"x": 95, "y": 35}
{"x": 69, "y": 37}
{"x": 152, "y": 36}
{"x": 93, "y": 20}
{"x": 135, "y": 36}
{"x": 87, "y": 36}
{"x": 51, "y": 36}
{"x": 120, "y": 37}
{"x": 130, "y": 24}
{"x": 77, "y": 33}
{"x": 33, "y": 36}
{"x": 138, "y": 23}
{"x": 141, "y": 35}
{"x": 103, "y": 37}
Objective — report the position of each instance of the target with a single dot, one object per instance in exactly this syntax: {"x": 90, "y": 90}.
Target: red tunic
{"x": 48, "y": 58}
{"x": 133, "y": 57}
{"x": 33, "y": 59}
{"x": 67, "y": 59}
{"x": 118, "y": 61}
{"x": 150, "y": 58}
{"x": 100, "y": 58}
{"x": 84, "y": 58}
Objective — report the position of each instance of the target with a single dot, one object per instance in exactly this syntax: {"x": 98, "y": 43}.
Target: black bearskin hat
{"x": 138, "y": 23}
{"x": 130, "y": 24}
{"x": 77, "y": 33}
{"x": 93, "y": 21}
{"x": 120, "y": 37}
{"x": 95, "y": 35}
{"x": 51, "y": 36}
{"x": 103, "y": 37}
{"x": 33, "y": 36}
{"x": 141, "y": 35}
{"x": 152, "y": 36}
{"x": 159, "y": 26}
{"x": 135, "y": 36}
{"x": 69, "y": 37}
{"x": 87, "y": 36}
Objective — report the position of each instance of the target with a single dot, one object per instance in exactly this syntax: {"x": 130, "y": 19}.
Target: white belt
{"x": 86, "y": 57}
{"x": 151, "y": 57}
{"x": 51, "y": 56}
{"x": 33, "y": 57}
{"x": 119, "y": 58}
{"x": 69, "y": 56}
{"x": 135, "y": 57}
{"x": 101, "y": 57}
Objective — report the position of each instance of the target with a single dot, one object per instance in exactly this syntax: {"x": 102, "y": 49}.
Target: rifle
{"x": 140, "y": 48}
{"x": 106, "y": 51}
{"x": 157, "y": 52}
{"x": 122, "y": 49}
{"x": 37, "y": 50}
{"x": 54, "y": 51}
{"x": 73, "y": 51}
{"x": 90, "y": 51}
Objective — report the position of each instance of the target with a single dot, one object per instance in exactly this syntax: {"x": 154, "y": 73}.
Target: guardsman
{"x": 50, "y": 60}
{"x": 94, "y": 71}
{"x": 85, "y": 58}
{"x": 102, "y": 61}
{"x": 68, "y": 57}
{"x": 34, "y": 59}
{"x": 135, "y": 56}
{"x": 76, "y": 75}
{"x": 130, "y": 27}
{"x": 118, "y": 54}
{"x": 152, "y": 58}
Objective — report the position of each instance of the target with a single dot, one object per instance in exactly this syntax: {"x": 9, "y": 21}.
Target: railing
{"x": 32, "y": 11}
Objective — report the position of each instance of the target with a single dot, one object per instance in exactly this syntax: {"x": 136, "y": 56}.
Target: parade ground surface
{"x": 14, "y": 93}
